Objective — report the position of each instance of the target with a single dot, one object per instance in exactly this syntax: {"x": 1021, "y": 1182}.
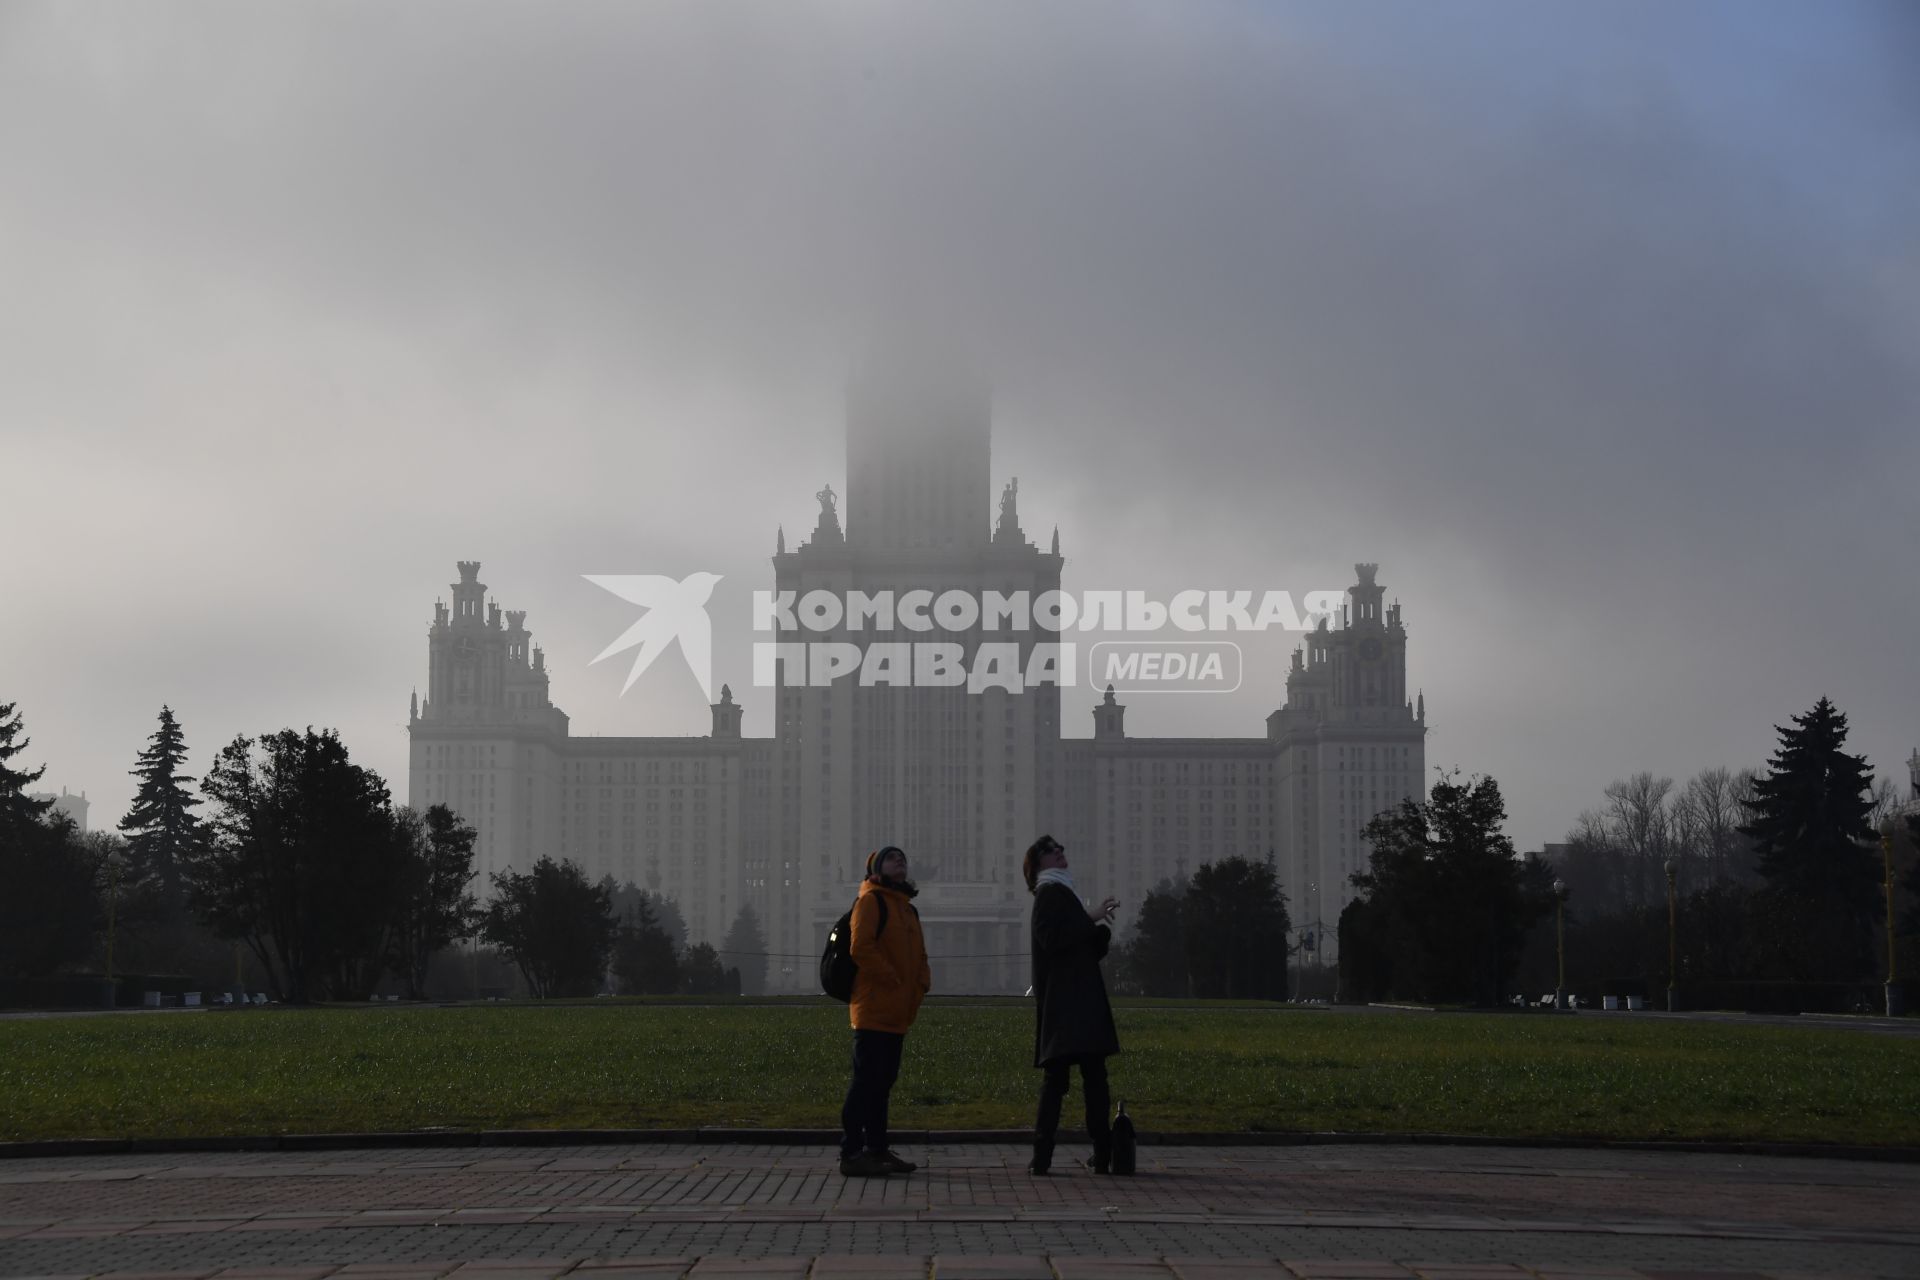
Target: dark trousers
{"x": 1053, "y": 1092}
{"x": 876, "y": 1065}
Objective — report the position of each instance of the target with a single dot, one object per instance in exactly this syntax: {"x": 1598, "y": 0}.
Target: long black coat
{"x": 1072, "y": 1015}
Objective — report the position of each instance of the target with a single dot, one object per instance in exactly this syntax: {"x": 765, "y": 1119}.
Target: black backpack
{"x": 836, "y": 963}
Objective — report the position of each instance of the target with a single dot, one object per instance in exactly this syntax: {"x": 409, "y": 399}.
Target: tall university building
{"x": 963, "y": 781}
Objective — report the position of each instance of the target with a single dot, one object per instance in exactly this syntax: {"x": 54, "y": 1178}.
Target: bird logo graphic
{"x": 674, "y": 611}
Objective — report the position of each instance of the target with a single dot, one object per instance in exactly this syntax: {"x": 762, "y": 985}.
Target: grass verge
{"x": 612, "y": 1065}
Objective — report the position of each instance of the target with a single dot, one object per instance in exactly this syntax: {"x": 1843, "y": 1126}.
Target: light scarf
{"x": 1054, "y": 875}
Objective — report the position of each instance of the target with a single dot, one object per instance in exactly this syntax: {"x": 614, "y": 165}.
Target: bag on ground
{"x": 1123, "y": 1141}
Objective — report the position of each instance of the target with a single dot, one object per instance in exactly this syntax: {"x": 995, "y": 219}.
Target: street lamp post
{"x": 1896, "y": 1002}
{"x": 1673, "y": 934}
{"x": 115, "y": 861}
{"x": 1560, "y": 941}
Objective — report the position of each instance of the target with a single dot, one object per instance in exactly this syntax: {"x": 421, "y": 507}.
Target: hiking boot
{"x": 894, "y": 1163}
{"x": 865, "y": 1165}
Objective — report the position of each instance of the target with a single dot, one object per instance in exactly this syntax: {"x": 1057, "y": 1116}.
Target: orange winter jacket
{"x": 893, "y": 977}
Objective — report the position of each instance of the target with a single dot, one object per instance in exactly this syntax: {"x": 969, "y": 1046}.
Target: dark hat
{"x": 1030, "y": 864}
{"x": 879, "y": 856}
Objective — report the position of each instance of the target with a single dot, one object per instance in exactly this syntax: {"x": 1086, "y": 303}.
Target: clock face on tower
{"x": 1370, "y": 649}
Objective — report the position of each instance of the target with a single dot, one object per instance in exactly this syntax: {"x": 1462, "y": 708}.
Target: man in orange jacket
{"x": 893, "y": 979}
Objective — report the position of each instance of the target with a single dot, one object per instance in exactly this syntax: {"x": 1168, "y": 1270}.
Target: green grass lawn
{"x": 619, "y": 1065}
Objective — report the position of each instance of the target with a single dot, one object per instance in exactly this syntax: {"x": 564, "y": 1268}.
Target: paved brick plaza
{"x": 1200, "y": 1213}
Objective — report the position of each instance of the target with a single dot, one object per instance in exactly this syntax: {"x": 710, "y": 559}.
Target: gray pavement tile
{"x": 1121, "y": 1268}
{"x": 990, "y": 1267}
{"x": 488, "y": 1265}
{"x": 757, "y": 1268}
{"x": 1228, "y": 1269}
{"x": 624, "y": 1268}
{"x": 871, "y": 1267}
{"x": 273, "y": 1273}
{"x": 104, "y": 1175}
{"x": 1344, "y": 1269}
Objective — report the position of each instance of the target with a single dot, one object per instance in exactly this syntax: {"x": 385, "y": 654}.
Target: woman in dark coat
{"x": 1073, "y": 1021}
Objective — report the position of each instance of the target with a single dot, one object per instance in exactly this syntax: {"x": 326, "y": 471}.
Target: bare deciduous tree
{"x": 1641, "y": 826}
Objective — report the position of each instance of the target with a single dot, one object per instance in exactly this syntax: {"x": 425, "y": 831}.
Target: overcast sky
{"x": 1596, "y": 326}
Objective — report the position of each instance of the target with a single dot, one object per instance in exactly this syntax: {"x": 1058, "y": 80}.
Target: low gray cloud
{"x": 1594, "y": 327}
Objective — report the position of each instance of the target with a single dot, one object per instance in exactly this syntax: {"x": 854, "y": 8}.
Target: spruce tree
{"x": 1911, "y": 924}
{"x": 745, "y": 949}
{"x": 1817, "y": 850}
{"x": 1156, "y": 949}
{"x": 645, "y": 960}
{"x": 16, "y": 806}
{"x": 50, "y": 904}
{"x": 1234, "y": 921}
{"x": 1448, "y": 902}
{"x": 160, "y": 827}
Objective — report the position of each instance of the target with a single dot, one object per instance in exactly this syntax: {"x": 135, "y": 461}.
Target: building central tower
{"x": 963, "y": 781}
{"x": 917, "y": 461}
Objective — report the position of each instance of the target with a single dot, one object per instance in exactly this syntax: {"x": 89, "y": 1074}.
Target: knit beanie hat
{"x": 879, "y": 856}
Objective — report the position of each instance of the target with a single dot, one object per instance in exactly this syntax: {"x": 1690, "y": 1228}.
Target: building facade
{"x": 964, "y": 781}
{"x": 66, "y": 805}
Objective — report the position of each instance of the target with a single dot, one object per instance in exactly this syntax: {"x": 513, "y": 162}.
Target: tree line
{"x": 1778, "y": 873}
{"x": 1220, "y": 934}
{"x": 1778, "y": 878}
{"x": 303, "y": 862}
